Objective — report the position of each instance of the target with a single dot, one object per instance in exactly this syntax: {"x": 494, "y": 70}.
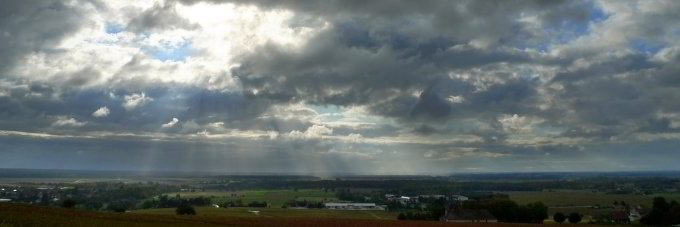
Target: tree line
{"x": 662, "y": 213}
{"x": 165, "y": 201}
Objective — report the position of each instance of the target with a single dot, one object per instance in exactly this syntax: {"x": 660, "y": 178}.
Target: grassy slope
{"x": 27, "y": 215}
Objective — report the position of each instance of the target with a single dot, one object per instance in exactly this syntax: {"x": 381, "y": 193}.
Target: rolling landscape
{"x": 110, "y": 198}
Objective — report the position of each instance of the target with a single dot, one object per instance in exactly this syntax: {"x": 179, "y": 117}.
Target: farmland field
{"x": 282, "y": 213}
{"x": 28, "y": 215}
{"x": 275, "y": 198}
{"x": 567, "y": 201}
{"x": 584, "y": 198}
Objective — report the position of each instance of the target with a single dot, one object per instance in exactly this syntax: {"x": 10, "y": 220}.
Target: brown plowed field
{"x": 29, "y": 215}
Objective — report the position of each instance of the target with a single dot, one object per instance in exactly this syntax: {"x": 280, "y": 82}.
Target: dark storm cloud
{"x": 160, "y": 17}
{"x": 618, "y": 96}
{"x": 363, "y": 60}
{"x": 28, "y": 26}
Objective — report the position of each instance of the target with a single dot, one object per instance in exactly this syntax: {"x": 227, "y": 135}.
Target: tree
{"x": 537, "y": 212}
{"x": 436, "y": 209}
{"x": 662, "y": 213}
{"x": 68, "y": 203}
{"x": 503, "y": 209}
{"x": 185, "y": 209}
{"x": 559, "y": 217}
{"x": 575, "y": 218}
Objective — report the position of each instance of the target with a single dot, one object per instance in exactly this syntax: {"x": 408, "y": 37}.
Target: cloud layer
{"x": 340, "y": 86}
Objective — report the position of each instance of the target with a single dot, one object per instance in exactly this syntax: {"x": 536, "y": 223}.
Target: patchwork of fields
{"x": 564, "y": 201}
{"x": 275, "y": 198}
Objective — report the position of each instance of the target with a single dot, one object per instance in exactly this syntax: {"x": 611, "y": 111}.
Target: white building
{"x": 459, "y": 198}
{"x": 353, "y": 206}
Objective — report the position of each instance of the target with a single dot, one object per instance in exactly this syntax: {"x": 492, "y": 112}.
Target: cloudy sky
{"x": 340, "y": 86}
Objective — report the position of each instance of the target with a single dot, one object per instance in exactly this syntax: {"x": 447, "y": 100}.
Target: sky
{"x": 340, "y": 86}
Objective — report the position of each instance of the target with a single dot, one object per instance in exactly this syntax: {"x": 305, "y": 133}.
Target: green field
{"x": 281, "y": 213}
{"x": 276, "y": 198}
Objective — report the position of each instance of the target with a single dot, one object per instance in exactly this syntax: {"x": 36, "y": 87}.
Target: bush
{"x": 559, "y": 217}
{"x": 575, "y": 218}
{"x": 68, "y": 203}
{"x": 257, "y": 204}
{"x": 185, "y": 209}
{"x": 119, "y": 206}
{"x": 509, "y": 211}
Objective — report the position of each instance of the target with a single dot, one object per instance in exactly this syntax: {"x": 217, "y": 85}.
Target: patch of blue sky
{"x": 675, "y": 33}
{"x": 179, "y": 53}
{"x": 597, "y": 14}
{"x": 354, "y": 34}
{"x": 646, "y": 46}
{"x": 334, "y": 113}
{"x": 330, "y": 112}
{"x": 566, "y": 31}
{"x": 326, "y": 108}
{"x": 113, "y": 28}
{"x": 548, "y": 130}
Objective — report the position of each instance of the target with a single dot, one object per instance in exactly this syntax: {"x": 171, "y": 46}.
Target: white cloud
{"x": 516, "y": 123}
{"x": 294, "y": 111}
{"x": 171, "y": 123}
{"x": 314, "y": 131}
{"x": 101, "y": 112}
{"x": 456, "y": 99}
{"x": 136, "y": 100}
{"x": 64, "y": 121}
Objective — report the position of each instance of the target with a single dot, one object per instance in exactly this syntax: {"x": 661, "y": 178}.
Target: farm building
{"x": 468, "y": 215}
{"x": 353, "y": 206}
{"x": 459, "y": 198}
